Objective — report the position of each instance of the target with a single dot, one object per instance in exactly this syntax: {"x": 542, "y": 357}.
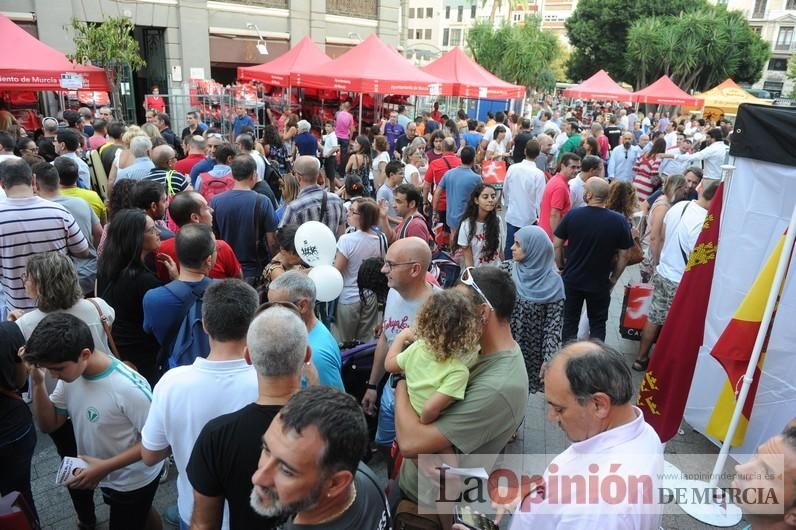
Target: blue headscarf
{"x": 535, "y": 277}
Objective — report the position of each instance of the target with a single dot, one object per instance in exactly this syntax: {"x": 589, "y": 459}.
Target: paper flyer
{"x": 67, "y": 470}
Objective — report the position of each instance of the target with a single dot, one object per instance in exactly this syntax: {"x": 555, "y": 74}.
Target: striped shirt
{"x": 647, "y": 176}
{"x": 178, "y": 181}
{"x": 307, "y": 207}
{"x": 28, "y": 226}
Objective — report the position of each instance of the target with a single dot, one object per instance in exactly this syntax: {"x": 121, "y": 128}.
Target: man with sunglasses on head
{"x": 494, "y": 403}
{"x": 214, "y": 139}
{"x": 623, "y": 157}
{"x": 405, "y": 266}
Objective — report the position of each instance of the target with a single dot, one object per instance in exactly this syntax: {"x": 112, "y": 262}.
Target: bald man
{"x": 597, "y": 239}
{"x": 164, "y": 157}
{"x": 314, "y": 203}
{"x": 405, "y": 266}
{"x": 589, "y": 390}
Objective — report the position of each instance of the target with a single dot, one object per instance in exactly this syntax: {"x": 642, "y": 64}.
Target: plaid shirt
{"x": 307, "y": 207}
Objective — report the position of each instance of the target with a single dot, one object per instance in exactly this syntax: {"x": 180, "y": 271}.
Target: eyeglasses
{"x": 390, "y": 265}
{"x": 468, "y": 280}
{"x": 287, "y": 305}
{"x": 215, "y": 135}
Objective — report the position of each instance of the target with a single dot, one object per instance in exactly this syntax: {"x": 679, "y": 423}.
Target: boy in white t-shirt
{"x": 395, "y": 175}
{"x": 330, "y": 148}
{"x": 108, "y": 404}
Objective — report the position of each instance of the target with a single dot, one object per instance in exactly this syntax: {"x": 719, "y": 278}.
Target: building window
{"x": 428, "y": 34}
{"x": 411, "y": 12}
{"x": 429, "y": 12}
{"x": 420, "y": 12}
{"x": 409, "y": 33}
{"x": 456, "y": 37}
{"x": 445, "y": 36}
{"x": 352, "y": 8}
{"x": 517, "y": 17}
{"x": 459, "y": 13}
{"x": 778, "y": 65}
{"x": 784, "y": 38}
{"x": 447, "y": 11}
{"x": 760, "y": 9}
{"x": 419, "y": 34}
{"x": 774, "y": 87}
{"x": 757, "y": 29}
{"x": 791, "y": 4}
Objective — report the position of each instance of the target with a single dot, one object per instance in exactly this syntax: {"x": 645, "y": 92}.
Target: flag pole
{"x": 762, "y": 332}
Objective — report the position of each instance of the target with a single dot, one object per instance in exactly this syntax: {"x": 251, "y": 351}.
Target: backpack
{"x": 445, "y": 269}
{"x": 212, "y": 186}
{"x": 188, "y": 340}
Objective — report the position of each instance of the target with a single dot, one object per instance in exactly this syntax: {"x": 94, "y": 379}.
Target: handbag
{"x": 635, "y": 308}
{"x": 106, "y": 326}
{"x": 635, "y": 254}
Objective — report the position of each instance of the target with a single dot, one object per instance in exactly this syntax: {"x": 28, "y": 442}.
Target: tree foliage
{"x": 791, "y": 74}
{"x": 521, "y": 54}
{"x": 598, "y": 31}
{"x": 697, "y": 50}
{"x": 109, "y": 45}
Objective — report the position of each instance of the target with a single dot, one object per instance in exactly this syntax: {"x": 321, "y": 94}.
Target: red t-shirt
{"x": 227, "y": 265}
{"x": 556, "y": 195}
{"x": 185, "y": 165}
{"x": 155, "y": 103}
{"x": 436, "y": 170}
{"x": 415, "y": 226}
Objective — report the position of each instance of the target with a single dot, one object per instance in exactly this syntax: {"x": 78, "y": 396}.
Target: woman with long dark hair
{"x": 360, "y": 160}
{"x": 646, "y": 170}
{"x": 481, "y": 233}
{"x": 123, "y": 280}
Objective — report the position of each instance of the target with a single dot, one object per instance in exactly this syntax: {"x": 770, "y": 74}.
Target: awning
{"x": 462, "y": 76}
{"x": 665, "y": 92}
{"x": 29, "y": 64}
{"x": 601, "y": 87}
{"x": 282, "y": 71}
{"x": 727, "y": 96}
{"x": 370, "y": 67}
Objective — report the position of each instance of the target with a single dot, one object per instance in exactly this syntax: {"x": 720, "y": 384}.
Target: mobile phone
{"x": 473, "y": 520}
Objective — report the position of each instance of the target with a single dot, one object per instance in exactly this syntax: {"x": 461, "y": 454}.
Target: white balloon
{"x": 328, "y": 282}
{"x": 315, "y": 244}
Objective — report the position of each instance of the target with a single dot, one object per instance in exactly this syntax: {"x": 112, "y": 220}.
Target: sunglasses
{"x": 468, "y": 280}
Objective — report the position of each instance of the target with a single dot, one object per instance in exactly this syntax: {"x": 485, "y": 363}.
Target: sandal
{"x": 640, "y": 365}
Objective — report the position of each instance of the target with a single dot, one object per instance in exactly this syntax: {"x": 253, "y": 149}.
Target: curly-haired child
{"x": 446, "y": 334}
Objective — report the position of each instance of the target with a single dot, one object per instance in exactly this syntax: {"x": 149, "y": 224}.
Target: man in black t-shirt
{"x": 518, "y": 155}
{"x": 595, "y": 236}
{"x": 227, "y": 450}
{"x": 613, "y": 132}
{"x": 310, "y": 466}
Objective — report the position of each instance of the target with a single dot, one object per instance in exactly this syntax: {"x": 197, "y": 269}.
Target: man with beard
{"x": 310, "y": 466}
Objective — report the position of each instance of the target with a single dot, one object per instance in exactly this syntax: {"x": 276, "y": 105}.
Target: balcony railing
{"x": 353, "y": 8}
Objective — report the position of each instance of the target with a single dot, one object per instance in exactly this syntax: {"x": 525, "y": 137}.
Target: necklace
{"x": 338, "y": 514}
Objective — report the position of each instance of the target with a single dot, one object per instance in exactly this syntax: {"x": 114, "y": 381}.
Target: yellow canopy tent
{"x": 725, "y": 98}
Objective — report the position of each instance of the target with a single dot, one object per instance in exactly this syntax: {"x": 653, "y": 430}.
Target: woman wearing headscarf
{"x": 538, "y": 314}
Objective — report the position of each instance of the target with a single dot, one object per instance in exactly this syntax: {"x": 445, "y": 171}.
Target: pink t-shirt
{"x": 342, "y": 124}
{"x": 95, "y": 142}
{"x": 556, "y": 195}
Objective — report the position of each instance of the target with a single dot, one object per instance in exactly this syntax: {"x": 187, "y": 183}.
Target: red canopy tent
{"x": 461, "y": 76}
{"x": 665, "y": 92}
{"x": 36, "y": 66}
{"x": 281, "y": 71}
{"x": 370, "y": 67}
{"x": 600, "y": 86}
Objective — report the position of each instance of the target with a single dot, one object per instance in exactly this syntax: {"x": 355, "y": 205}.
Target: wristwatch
{"x": 395, "y": 378}
{"x": 371, "y": 387}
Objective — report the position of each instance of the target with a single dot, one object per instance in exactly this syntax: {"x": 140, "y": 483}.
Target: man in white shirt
{"x": 500, "y": 119}
{"x": 330, "y": 149}
{"x": 67, "y": 143}
{"x": 523, "y": 190}
{"x": 187, "y": 397}
{"x": 245, "y": 143}
{"x": 6, "y": 146}
{"x": 590, "y": 166}
{"x": 711, "y": 158}
{"x": 671, "y": 135}
{"x": 675, "y": 166}
{"x": 623, "y": 158}
{"x": 681, "y": 225}
{"x": 589, "y": 391}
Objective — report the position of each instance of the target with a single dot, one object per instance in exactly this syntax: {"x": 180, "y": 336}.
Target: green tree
{"x": 791, "y": 73}
{"x": 109, "y": 45}
{"x": 598, "y": 32}
{"x": 521, "y": 54}
{"x": 697, "y": 50}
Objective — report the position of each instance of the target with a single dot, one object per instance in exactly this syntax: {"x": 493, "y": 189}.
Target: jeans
{"x": 15, "y": 459}
{"x": 385, "y": 433}
{"x": 510, "y": 231}
{"x": 83, "y": 500}
{"x": 597, "y": 304}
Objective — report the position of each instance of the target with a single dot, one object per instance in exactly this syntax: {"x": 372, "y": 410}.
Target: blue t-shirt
{"x": 161, "y": 307}
{"x": 241, "y": 122}
{"x": 593, "y": 235}
{"x": 233, "y": 221}
{"x": 458, "y": 183}
{"x": 203, "y": 166}
{"x": 306, "y": 144}
{"x": 326, "y": 356}
{"x": 473, "y": 139}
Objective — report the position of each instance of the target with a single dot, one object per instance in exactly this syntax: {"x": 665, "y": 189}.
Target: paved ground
{"x": 538, "y": 436}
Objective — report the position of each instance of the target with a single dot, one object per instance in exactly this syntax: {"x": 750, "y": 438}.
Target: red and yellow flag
{"x": 664, "y": 389}
{"x": 734, "y": 350}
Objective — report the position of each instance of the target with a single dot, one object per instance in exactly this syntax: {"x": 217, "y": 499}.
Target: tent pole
{"x": 762, "y": 334}
{"x": 360, "y": 113}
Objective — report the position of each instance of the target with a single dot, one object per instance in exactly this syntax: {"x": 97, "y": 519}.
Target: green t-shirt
{"x": 570, "y": 146}
{"x": 426, "y": 375}
{"x": 484, "y": 421}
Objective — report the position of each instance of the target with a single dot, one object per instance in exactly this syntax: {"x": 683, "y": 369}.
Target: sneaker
{"x": 171, "y": 515}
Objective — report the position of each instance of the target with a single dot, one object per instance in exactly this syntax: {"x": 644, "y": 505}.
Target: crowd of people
{"x": 175, "y": 324}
